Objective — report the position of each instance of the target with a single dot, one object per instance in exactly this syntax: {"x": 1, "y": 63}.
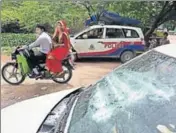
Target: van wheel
{"x": 126, "y": 56}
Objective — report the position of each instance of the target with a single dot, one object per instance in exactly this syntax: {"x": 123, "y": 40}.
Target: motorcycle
{"x": 21, "y": 68}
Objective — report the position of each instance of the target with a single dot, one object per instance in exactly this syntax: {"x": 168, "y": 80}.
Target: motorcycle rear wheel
{"x": 12, "y": 74}
{"x": 68, "y": 71}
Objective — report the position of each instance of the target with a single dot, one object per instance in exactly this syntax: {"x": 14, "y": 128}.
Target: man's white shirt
{"x": 44, "y": 41}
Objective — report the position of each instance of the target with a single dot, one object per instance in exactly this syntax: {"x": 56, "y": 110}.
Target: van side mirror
{"x": 85, "y": 36}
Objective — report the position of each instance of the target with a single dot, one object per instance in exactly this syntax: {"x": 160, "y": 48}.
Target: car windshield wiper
{"x": 57, "y": 118}
{"x": 60, "y": 126}
{"x": 84, "y": 93}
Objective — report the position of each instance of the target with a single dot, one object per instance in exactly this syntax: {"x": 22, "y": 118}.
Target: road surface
{"x": 86, "y": 72}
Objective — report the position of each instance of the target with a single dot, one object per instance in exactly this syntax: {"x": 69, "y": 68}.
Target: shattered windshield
{"x": 138, "y": 97}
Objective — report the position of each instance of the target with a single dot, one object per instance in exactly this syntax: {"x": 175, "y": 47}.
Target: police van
{"x": 109, "y": 41}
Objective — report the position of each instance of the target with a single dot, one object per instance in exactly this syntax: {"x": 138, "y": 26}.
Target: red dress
{"x": 59, "y": 53}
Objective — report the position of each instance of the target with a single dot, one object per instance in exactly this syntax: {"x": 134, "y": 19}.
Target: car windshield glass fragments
{"x": 138, "y": 97}
{"x": 114, "y": 33}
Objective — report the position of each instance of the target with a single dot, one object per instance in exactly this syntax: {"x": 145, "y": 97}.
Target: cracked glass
{"x": 138, "y": 97}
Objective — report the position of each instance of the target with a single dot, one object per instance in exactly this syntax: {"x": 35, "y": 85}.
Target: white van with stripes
{"x": 109, "y": 41}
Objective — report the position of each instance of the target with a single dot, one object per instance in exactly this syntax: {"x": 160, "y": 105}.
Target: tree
{"x": 167, "y": 12}
{"x": 151, "y": 13}
{"x": 142, "y": 10}
{"x": 29, "y": 13}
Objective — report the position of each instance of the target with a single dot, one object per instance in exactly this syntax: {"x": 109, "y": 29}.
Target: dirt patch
{"x": 13, "y": 94}
{"x": 5, "y": 58}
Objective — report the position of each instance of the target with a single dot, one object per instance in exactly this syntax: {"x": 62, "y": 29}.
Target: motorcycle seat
{"x": 41, "y": 61}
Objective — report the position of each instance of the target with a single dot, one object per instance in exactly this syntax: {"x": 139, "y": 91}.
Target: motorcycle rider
{"x": 44, "y": 42}
{"x": 62, "y": 46}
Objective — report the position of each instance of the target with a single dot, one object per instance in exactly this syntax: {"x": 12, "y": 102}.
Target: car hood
{"x": 27, "y": 116}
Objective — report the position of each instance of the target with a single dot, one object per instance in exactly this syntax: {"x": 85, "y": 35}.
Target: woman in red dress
{"x": 61, "y": 44}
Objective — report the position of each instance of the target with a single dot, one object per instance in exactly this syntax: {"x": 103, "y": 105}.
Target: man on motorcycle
{"x": 44, "y": 42}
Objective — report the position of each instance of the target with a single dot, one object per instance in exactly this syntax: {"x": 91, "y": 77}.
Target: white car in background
{"x": 137, "y": 97}
{"x": 109, "y": 41}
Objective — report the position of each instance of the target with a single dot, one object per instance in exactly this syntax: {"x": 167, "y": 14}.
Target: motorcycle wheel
{"x": 63, "y": 80}
{"x": 12, "y": 74}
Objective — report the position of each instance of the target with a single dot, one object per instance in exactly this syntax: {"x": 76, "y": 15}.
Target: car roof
{"x": 168, "y": 49}
{"x": 112, "y": 26}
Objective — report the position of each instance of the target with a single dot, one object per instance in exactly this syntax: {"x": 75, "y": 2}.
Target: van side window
{"x": 92, "y": 34}
{"x": 114, "y": 33}
{"x": 129, "y": 33}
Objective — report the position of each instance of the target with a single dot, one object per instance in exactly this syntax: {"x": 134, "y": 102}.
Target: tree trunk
{"x": 148, "y": 34}
{"x": 155, "y": 24}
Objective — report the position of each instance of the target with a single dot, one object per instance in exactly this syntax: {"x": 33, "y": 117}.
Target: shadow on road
{"x": 96, "y": 60}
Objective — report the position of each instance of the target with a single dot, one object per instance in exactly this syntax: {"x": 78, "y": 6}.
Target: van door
{"x": 113, "y": 41}
{"x": 88, "y": 43}
{"x": 79, "y": 43}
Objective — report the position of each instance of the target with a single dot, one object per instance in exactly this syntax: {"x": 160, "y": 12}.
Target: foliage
{"x": 29, "y": 13}
{"x": 167, "y": 12}
{"x": 13, "y": 27}
{"x": 12, "y": 40}
{"x": 144, "y": 11}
